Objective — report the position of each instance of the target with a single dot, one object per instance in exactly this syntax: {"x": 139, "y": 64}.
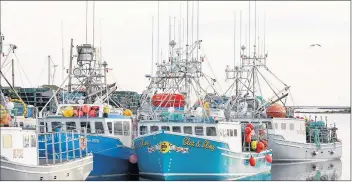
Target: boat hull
{"x": 174, "y": 156}
{"x": 110, "y": 156}
{"x": 284, "y": 150}
{"x": 78, "y": 169}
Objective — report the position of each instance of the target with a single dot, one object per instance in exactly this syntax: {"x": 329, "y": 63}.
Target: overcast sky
{"x": 317, "y": 76}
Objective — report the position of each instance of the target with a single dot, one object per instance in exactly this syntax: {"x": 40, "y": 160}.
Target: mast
{"x": 152, "y": 46}
{"x": 49, "y": 70}
{"x": 13, "y": 72}
{"x": 86, "y": 22}
{"x": 186, "y": 80}
{"x": 157, "y": 59}
{"x": 62, "y": 59}
{"x": 70, "y": 68}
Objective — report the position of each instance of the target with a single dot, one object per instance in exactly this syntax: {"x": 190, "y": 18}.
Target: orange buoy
{"x": 247, "y": 130}
{"x": 276, "y": 111}
{"x": 248, "y": 138}
{"x": 92, "y": 113}
{"x": 133, "y": 159}
{"x": 261, "y": 132}
{"x": 264, "y": 142}
{"x": 250, "y": 126}
{"x": 252, "y": 161}
{"x": 260, "y": 146}
{"x": 78, "y": 113}
{"x": 85, "y": 108}
{"x": 268, "y": 158}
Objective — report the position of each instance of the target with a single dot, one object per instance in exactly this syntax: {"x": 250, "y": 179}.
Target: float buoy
{"x": 254, "y": 145}
{"x": 85, "y": 109}
{"x": 133, "y": 159}
{"x": 252, "y": 161}
{"x": 268, "y": 158}
{"x": 248, "y": 138}
{"x": 250, "y": 126}
{"x": 92, "y": 113}
{"x": 247, "y": 130}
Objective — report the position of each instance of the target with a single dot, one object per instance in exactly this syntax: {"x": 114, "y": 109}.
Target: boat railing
{"x": 54, "y": 139}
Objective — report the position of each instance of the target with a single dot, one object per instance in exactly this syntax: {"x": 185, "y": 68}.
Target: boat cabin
{"x": 19, "y": 145}
{"x": 109, "y": 124}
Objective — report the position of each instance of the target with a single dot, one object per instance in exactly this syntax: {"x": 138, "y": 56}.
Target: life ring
{"x": 82, "y": 143}
{"x": 24, "y": 105}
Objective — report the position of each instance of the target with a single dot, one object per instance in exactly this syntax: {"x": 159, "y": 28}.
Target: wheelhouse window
{"x": 143, "y": 130}
{"x": 99, "y": 128}
{"x": 226, "y": 134}
{"x": 230, "y": 131}
{"x": 199, "y": 130}
{"x": 269, "y": 125}
{"x": 7, "y": 141}
{"x": 70, "y": 126}
{"x": 211, "y": 131}
{"x": 109, "y": 127}
{"x": 187, "y": 130}
{"x": 21, "y": 124}
{"x": 43, "y": 127}
{"x": 33, "y": 141}
{"x": 221, "y": 132}
{"x": 176, "y": 129}
{"x": 117, "y": 128}
{"x": 235, "y": 132}
{"x": 154, "y": 128}
{"x": 292, "y": 126}
{"x": 85, "y": 125}
{"x": 55, "y": 126}
{"x": 166, "y": 128}
{"x": 126, "y": 128}
{"x": 283, "y": 126}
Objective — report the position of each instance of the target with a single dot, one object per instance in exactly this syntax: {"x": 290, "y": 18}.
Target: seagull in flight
{"x": 315, "y": 45}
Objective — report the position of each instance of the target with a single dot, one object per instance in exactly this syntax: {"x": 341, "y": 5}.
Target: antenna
{"x": 174, "y": 28}
{"x": 255, "y": 27}
{"x": 249, "y": 30}
{"x": 63, "y": 60}
{"x": 240, "y": 36}
{"x": 93, "y": 20}
{"x": 62, "y": 51}
{"x": 197, "y": 28}
{"x": 169, "y": 52}
{"x": 234, "y": 41}
{"x": 152, "y": 46}
{"x": 158, "y": 35}
{"x": 179, "y": 28}
{"x": 86, "y": 22}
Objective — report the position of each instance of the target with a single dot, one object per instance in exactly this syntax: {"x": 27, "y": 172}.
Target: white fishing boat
{"x": 20, "y": 158}
{"x": 290, "y": 138}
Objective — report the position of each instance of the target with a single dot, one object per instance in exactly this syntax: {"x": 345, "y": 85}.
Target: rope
{"x": 23, "y": 70}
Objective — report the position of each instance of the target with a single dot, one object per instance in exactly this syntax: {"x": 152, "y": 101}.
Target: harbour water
{"x": 317, "y": 171}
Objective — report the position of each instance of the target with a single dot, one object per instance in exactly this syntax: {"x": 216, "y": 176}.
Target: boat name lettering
{"x": 206, "y": 144}
{"x": 93, "y": 140}
{"x": 142, "y": 143}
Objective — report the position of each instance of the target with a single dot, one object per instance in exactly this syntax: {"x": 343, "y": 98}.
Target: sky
{"x": 317, "y": 75}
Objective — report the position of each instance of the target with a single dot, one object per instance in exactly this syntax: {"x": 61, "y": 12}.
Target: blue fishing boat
{"x": 178, "y": 140}
{"x": 108, "y": 129}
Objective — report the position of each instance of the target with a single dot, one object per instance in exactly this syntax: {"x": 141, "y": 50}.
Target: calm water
{"x": 315, "y": 171}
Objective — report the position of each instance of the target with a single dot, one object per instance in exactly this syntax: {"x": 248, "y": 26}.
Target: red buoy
{"x": 85, "y": 108}
{"x": 92, "y": 113}
{"x": 265, "y": 143}
{"x": 260, "y": 146}
{"x": 248, "y": 138}
{"x": 268, "y": 158}
{"x": 133, "y": 159}
{"x": 247, "y": 130}
{"x": 252, "y": 161}
{"x": 95, "y": 108}
{"x": 250, "y": 126}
